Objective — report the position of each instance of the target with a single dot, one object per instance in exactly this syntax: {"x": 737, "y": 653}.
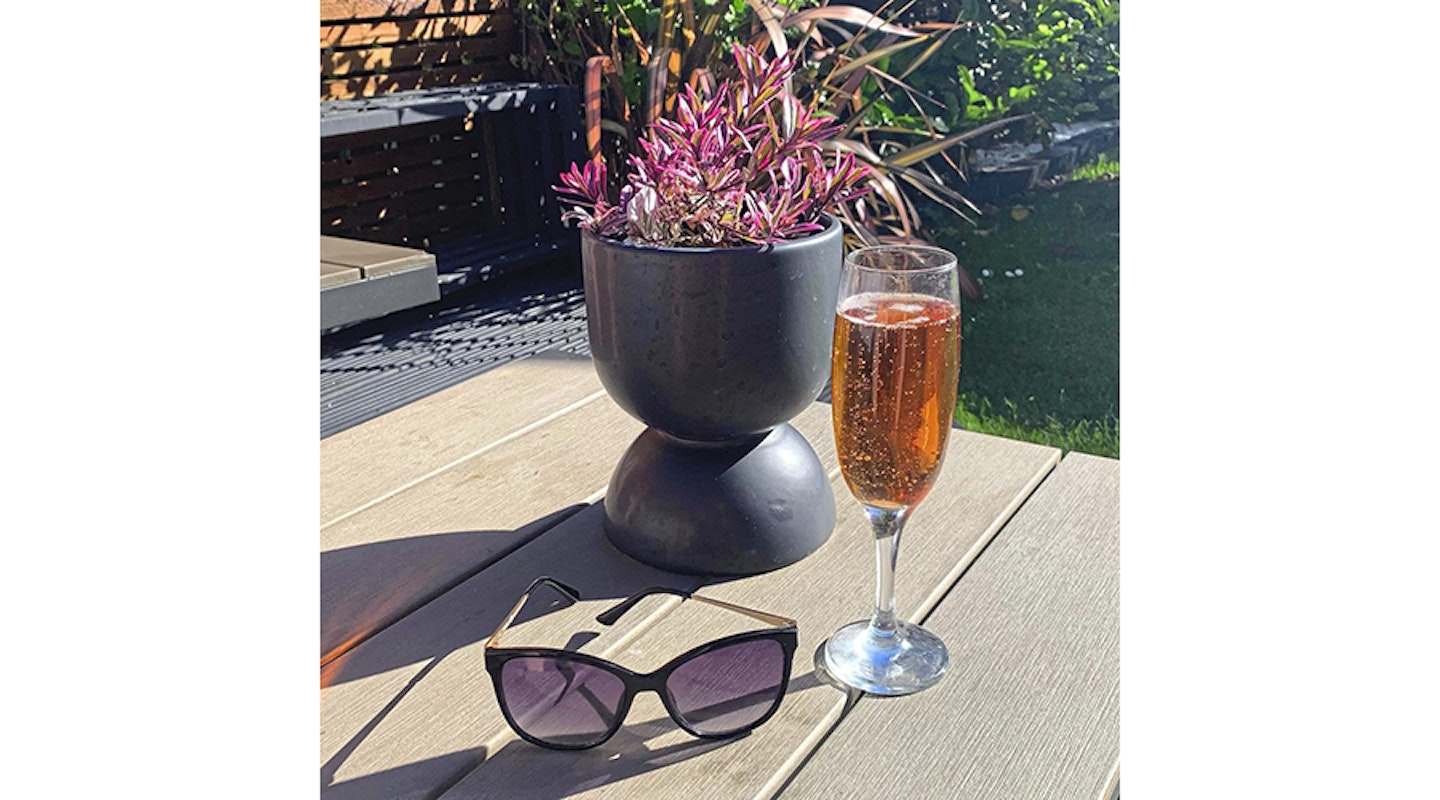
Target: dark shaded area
{"x": 559, "y": 539}
{"x": 463, "y": 173}
{"x": 383, "y": 364}
{"x": 365, "y": 588}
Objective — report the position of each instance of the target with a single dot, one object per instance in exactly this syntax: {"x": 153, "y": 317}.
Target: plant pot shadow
{"x": 366, "y": 588}
{"x": 569, "y": 545}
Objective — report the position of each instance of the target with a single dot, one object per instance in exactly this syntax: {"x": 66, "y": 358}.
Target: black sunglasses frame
{"x": 786, "y": 635}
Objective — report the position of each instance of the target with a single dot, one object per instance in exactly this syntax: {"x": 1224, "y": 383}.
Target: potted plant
{"x": 710, "y": 286}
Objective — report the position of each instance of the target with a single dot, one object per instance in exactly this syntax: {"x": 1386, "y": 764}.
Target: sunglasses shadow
{"x": 553, "y": 774}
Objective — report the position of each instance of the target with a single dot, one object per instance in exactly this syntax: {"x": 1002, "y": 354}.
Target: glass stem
{"x": 886, "y": 524}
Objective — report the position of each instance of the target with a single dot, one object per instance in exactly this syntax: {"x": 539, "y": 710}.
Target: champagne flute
{"x": 894, "y": 370}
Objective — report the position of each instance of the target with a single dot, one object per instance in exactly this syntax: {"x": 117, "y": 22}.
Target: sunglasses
{"x": 572, "y": 701}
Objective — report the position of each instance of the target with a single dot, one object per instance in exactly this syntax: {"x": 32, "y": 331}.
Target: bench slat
{"x": 371, "y": 258}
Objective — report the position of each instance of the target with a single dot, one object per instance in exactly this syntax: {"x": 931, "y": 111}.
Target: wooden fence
{"x": 372, "y": 47}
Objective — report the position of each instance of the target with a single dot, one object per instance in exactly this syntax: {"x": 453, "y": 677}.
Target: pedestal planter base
{"x": 720, "y": 508}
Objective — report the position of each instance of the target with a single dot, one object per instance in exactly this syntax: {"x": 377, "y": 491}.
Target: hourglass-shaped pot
{"x": 715, "y": 350}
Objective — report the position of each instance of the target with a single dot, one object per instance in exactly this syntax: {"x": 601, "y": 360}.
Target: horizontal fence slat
{"x": 442, "y": 227}
{"x": 422, "y": 231}
{"x": 412, "y": 203}
{"x": 348, "y": 63}
{"x": 420, "y": 177}
{"x": 411, "y": 234}
{"x": 345, "y": 10}
{"x": 367, "y": 163}
{"x": 395, "y": 32}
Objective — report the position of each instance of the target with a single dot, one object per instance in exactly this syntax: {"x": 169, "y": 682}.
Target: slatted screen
{"x": 466, "y": 179}
{"x": 434, "y": 183}
{"x": 372, "y": 47}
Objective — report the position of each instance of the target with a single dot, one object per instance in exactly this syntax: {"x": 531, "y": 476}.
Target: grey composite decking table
{"x": 436, "y": 516}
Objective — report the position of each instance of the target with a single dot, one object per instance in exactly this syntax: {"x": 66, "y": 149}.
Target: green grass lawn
{"x": 1041, "y": 352}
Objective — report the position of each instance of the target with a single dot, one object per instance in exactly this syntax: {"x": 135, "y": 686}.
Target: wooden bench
{"x": 462, "y": 173}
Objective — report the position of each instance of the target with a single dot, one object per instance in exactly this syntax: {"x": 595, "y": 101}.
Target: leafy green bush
{"x": 1059, "y": 59}
{"x": 562, "y": 34}
{"x": 1104, "y": 167}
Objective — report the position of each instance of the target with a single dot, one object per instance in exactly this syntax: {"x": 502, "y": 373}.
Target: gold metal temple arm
{"x": 519, "y": 604}
{"x": 763, "y": 616}
{"x": 610, "y": 616}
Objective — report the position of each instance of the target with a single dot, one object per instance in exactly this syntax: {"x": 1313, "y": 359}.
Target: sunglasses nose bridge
{"x": 656, "y": 684}
{"x": 651, "y": 683}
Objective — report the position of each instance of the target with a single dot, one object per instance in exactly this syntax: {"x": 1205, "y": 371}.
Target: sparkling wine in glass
{"x": 894, "y": 371}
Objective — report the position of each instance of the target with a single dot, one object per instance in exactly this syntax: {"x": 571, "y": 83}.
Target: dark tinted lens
{"x": 560, "y": 701}
{"x": 731, "y": 688}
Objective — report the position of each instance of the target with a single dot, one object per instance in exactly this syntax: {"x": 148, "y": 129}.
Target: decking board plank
{"x": 366, "y": 462}
{"x": 1030, "y": 707}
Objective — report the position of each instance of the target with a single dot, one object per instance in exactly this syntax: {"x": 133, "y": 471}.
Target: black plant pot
{"x": 715, "y": 350}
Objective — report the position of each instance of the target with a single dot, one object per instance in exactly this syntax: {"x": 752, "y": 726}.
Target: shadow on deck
{"x": 378, "y": 366}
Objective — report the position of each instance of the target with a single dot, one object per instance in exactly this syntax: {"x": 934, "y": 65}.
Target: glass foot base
{"x": 905, "y": 662}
